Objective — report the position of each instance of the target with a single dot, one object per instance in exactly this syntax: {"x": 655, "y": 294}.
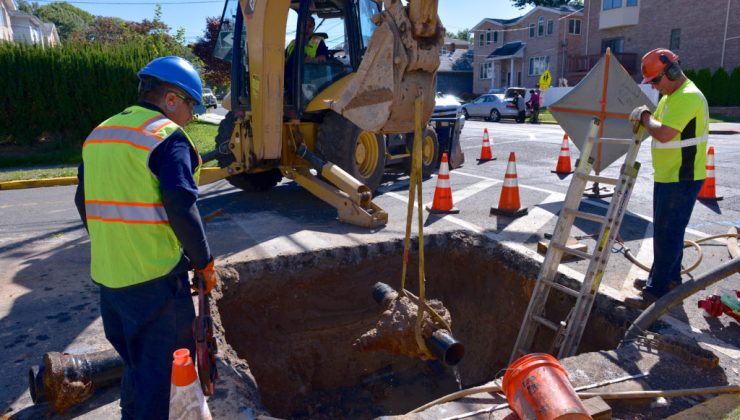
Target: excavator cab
{"x": 331, "y": 78}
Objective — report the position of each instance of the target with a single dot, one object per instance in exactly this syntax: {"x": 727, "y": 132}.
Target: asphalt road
{"x": 49, "y": 304}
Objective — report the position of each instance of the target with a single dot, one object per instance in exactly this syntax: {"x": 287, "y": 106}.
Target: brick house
{"x": 515, "y": 52}
{"x": 703, "y": 34}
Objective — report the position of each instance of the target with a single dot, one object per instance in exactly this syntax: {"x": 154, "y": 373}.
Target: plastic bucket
{"x": 537, "y": 387}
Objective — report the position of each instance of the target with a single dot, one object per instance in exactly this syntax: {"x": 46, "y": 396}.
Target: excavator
{"x": 338, "y": 116}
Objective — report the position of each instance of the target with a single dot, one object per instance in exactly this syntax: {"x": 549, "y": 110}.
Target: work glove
{"x": 207, "y": 275}
{"x": 636, "y": 116}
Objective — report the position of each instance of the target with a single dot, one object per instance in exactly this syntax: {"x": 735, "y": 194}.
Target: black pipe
{"x": 315, "y": 161}
{"x": 384, "y": 294}
{"x": 678, "y": 295}
{"x": 86, "y": 372}
{"x": 445, "y": 347}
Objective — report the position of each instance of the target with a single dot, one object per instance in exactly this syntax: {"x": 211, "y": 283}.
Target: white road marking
{"x": 644, "y": 254}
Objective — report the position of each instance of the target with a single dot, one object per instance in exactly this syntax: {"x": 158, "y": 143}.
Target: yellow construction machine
{"x": 334, "y": 114}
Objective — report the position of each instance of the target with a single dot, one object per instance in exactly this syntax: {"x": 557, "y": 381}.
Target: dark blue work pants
{"x": 672, "y": 206}
{"x": 146, "y": 323}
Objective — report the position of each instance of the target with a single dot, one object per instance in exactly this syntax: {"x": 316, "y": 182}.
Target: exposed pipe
{"x": 677, "y": 295}
{"x": 724, "y": 38}
{"x": 67, "y": 379}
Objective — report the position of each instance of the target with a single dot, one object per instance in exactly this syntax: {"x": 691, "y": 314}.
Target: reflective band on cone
{"x": 509, "y": 204}
{"x": 442, "y": 203}
{"x": 187, "y": 401}
{"x": 563, "y": 167}
{"x": 708, "y": 190}
{"x": 485, "y": 151}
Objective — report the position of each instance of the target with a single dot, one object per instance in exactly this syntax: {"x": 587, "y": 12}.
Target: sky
{"x": 191, "y": 14}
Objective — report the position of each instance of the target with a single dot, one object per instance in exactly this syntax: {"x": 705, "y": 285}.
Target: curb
{"x": 38, "y": 183}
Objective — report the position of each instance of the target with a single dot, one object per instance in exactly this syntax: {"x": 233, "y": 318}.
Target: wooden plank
{"x": 725, "y": 406}
{"x": 597, "y": 408}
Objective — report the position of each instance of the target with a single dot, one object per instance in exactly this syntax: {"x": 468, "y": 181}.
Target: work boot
{"x": 640, "y": 284}
{"x": 642, "y": 300}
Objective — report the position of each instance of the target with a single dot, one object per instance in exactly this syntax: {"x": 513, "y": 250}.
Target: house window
{"x": 485, "y": 71}
{"x": 631, "y": 3}
{"x": 531, "y": 30}
{"x": 537, "y": 65}
{"x": 488, "y": 37}
{"x": 549, "y": 27}
{"x": 675, "y": 39}
{"x": 574, "y": 26}
{"x": 495, "y": 37}
{"x": 480, "y": 40}
{"x": 540, "y": 26}
{"x": 612, "y": 4}
{"x": 616, "y": 45}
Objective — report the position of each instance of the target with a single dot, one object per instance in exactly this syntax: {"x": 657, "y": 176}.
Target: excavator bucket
{"x": 381, "y": 95}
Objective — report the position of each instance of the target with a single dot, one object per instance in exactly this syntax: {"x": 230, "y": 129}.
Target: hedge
{"x": 719, "y": 88}
{"x": 62, "y": 93}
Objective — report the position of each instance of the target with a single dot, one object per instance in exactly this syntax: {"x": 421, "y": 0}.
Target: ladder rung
{"x": 571, "y": 251}
{"x": 546, "y": 322}
{"x": 616, "y": 141}
{"x": 588, "y": 216}
{"x": 561, "y": 288}
{"x": 602, "y": 179}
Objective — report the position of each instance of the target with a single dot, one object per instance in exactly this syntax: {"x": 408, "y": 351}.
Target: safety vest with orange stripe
{"x": 130, "y": 236}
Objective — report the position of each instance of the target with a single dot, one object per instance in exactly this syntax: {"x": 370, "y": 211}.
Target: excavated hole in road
{"x": 294, "y": 318}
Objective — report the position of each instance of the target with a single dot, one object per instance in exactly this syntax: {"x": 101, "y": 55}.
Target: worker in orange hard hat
{"x": 680, "y": 129}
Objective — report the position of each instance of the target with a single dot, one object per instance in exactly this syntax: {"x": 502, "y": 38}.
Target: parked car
{"x": 491, "y": 107}
{"x": 209, "y": 99}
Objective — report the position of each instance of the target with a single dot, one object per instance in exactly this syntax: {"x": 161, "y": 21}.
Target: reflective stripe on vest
{"x": 679, "y": 144}
{"x": 134, "y": 213}
{"x": 130, "y": 236}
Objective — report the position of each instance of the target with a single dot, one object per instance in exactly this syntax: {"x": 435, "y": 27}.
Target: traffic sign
{"x": 545, "y": 80}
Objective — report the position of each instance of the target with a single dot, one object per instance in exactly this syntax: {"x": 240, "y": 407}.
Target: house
{"x": 703, "y": 35}
{"x": 455, "y": 72}
{"x": 515, "y": 52}
{"x": 6, "y": 27}
{"x": 29, "y": 29}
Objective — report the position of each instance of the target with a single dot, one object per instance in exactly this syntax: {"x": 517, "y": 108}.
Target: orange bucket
{"x": 537, "y": 387}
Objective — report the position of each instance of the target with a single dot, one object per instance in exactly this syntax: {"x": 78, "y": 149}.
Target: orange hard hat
{"x": 655, "y": 61}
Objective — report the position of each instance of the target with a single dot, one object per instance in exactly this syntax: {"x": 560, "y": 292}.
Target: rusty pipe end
{"x": 445, "y": 347}
{"x": 384, "y": 294}
{"x": 36, "y": 384}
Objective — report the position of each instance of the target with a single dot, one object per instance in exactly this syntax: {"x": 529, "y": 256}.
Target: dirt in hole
{"x": 296, "y": 330}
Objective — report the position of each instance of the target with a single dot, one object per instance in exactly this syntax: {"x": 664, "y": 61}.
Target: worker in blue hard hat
{"x": 138, "y": 184}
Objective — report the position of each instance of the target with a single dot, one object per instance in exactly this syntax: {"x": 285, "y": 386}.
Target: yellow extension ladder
{"x": 568, "y": 332}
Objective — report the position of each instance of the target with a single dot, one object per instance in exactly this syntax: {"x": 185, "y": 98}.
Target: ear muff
{"x": 672, "y": 69}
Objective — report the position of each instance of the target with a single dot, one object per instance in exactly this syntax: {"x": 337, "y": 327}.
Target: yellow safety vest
{"x": 683, "y": 158}
{"x": 310, "y": 49}
{"x": 131, "y": 240}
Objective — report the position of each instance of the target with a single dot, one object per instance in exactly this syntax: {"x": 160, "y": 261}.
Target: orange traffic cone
{"x": 508, "y": 204}
{"x": 485, "y": 151}
{"x": 563, "y": 167}
{"x": 187, "y": 401}
{"x": 442, "y": 203}
{"x": 708, "y": 189}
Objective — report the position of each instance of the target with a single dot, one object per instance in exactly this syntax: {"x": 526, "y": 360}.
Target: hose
{"x": 686, "y": 244}
{"x": 677, "y": 295}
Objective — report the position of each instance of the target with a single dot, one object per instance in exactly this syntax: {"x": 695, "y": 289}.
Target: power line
{"x": 101, "y": 3}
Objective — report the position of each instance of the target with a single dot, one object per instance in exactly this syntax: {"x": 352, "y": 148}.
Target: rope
{"x": 414, "y": 194}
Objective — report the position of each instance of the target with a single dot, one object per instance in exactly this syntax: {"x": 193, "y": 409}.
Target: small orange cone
{"x": 563, "y": 167}
{"x": 485, "y": 151}
{"x": 186, "y": 395}
{"x": 442, "y": 203}
{"x": 509, "y": 204}
{"x": 708, "y": 189}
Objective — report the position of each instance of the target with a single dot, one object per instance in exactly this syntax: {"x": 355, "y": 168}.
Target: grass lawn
{"x": 43, "y": 162}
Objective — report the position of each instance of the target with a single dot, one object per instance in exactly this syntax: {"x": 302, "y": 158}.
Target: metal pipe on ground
{"x": 678, "y": 295}
{"x": 65, "y": 380}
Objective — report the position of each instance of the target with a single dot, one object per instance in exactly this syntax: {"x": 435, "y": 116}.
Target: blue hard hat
{"x": 176, "y": 71}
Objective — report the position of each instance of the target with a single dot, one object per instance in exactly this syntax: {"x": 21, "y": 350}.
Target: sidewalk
{"x": 210, "y": 118}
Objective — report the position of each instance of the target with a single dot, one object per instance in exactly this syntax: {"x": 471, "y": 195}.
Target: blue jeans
{"x": 146, "y": 323}
{"x": 672, "y": 206}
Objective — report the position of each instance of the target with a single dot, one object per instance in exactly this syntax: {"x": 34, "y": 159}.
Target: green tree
{"x": 216, "y": 72}
{"x": 719, "y": 94}
{"x": 463, "y": 34}
{"x": 703, "y": 81}
{"x": 67, "y": 18}
{"x": 735, "y": 87}
{"x": 548, "y": 3}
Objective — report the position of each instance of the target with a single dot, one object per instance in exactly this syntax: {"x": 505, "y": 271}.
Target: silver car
{"x": 490, "y": 107}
